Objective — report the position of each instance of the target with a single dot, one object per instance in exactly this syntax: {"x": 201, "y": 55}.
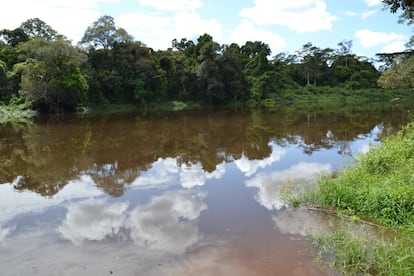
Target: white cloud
{"x": 191, "y": 176}
{"x": 191, "y": 24}
{"x": 389, "y": 41}
{"x": 246, "y": 31}
{"x": 13, "y": 203}
{"x": 93, "y": 220}
{"x": 162, "y": 172}
{"x": 363, "y": 15}
{"x": 299, "y": 15}
{"x": 367, "y": 14}
{"x": 396, "y": 46}
{"x": 157, "y": 31}
{"x": 4, "y": 233}
{"x": 250, "y": 167}
{"x": 70, "y": 18}
{"x": 373, "y": 2}
{"x": 301, "y": 222}
{"x": 166, "y": 171}
{"x": 167, "y": 222}
{"x": 351, "y": 13}
{"x": 176, "y": 5}
{"x": 269, "y": 184}
{"x": 194, "y": 175}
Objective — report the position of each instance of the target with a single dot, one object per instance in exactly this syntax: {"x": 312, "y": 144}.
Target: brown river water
{"x": 172, "y": 193}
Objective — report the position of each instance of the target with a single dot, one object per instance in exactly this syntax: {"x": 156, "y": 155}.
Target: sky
{"x": 284, "y": 25}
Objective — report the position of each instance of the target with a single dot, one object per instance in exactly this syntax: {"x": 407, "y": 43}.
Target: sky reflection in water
{"x": 168, "y": 209}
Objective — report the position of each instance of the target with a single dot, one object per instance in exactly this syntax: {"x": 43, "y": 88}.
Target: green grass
{"x": 378, "y": 188}
{"x": 355, "y": 253}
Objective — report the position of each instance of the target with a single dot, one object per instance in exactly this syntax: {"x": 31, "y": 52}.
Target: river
{"x": 172, "y": 193}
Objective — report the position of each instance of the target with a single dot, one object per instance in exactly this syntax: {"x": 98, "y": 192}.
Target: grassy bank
{"x": 378, "y": 188}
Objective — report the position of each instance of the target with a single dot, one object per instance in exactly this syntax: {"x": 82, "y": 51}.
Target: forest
{"x": 108, "y": 66}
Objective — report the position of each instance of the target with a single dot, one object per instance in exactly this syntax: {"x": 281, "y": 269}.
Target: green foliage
{"x": 112, "y": 68}
{"x": 400, "y": 75}
{"x": 268, "y": 103}
{"x": 379, "y": 186}
{"x": 18, "y": 110}
{"x": 50, "y": 75}
{"x": 14, "y": 37}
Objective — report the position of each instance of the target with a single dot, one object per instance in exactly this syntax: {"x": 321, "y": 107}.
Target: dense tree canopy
{"x": 110, "y": 67}
{"x": 50, "y": 74}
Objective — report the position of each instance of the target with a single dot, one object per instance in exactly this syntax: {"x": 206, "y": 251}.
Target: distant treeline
{"x": 109, "y": 67}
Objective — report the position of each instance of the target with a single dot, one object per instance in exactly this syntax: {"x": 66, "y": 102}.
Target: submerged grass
{"x": 357, "y": 254}
{"x": 378, "y": 188}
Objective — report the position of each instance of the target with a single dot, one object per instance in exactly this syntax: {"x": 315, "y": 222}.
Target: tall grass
{"x": 378, "y": 188}
{"x": 16, "y": 111}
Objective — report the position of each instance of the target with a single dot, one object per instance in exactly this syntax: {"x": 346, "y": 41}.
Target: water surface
{"x": 184, "y": 193}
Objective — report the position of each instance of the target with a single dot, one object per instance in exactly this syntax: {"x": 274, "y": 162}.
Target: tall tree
{"x": 103, "y": 33}
{"x": 345, "y": 49}
{"x": 208, "y": 72}
{"x": 257, "y": 70}
{"x": 35, "y": 27}
{"x": 313, "y": 64}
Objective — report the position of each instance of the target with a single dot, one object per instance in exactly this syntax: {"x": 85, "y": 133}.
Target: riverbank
{"x": 377, "y": 189}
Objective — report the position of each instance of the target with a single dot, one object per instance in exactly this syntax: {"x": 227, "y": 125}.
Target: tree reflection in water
{"x": 184, "y": 189}
{"x": 116, "y": 150}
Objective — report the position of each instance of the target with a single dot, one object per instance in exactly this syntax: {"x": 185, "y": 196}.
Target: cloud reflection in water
{"x": 166, "y": 223}
{"x": 4, "y": 232}
{"x": 93, "y": 219}
{"x": 162, "y": 172}
{"x": 195, "y": 175}
{"x": 13, "y": 204}
{"x": 269, "y": 184}
{"x": 167, "y": 171}
{"x": 250, "y": 167}
{"x": 301, "y": 222}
